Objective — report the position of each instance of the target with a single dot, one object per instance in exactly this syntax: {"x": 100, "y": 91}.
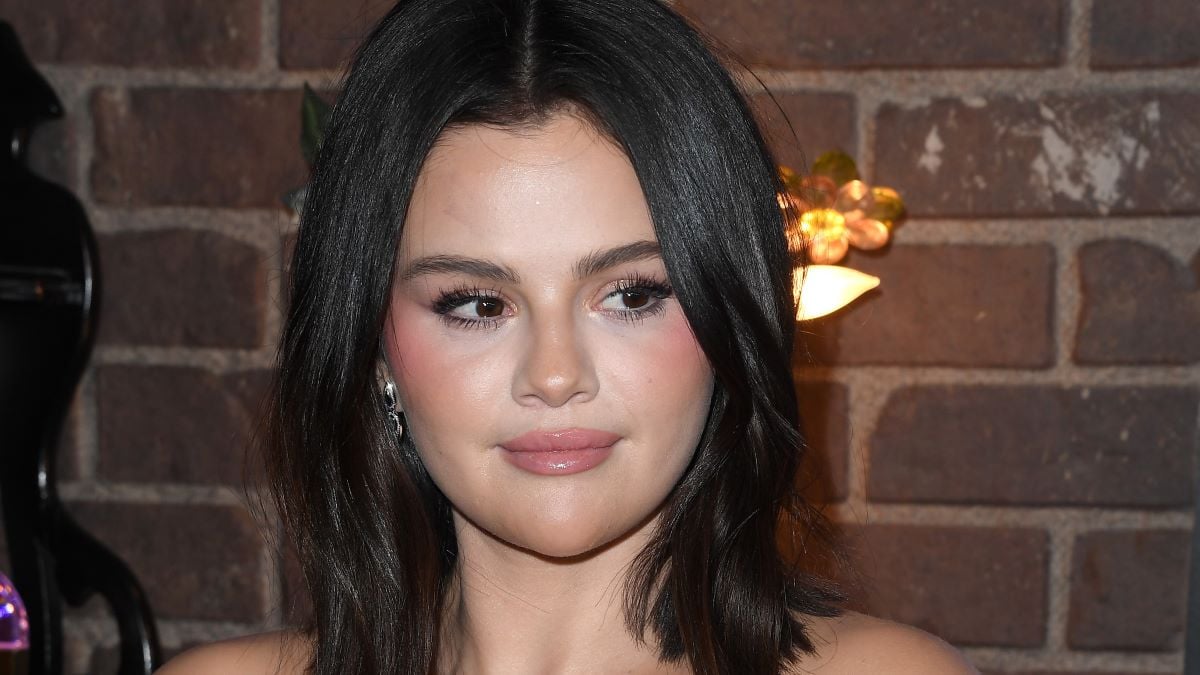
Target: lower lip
{"x": 558, "y": 463}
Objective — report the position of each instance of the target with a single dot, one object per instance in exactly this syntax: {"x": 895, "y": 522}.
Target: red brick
{"x": 967, "y": 585}
{"x": 182, "y": 287}
{"x": 1130, "y": 446}
{"x": 1140, "y": 305}
{"x": 1162, "y": 33}
{"x": 195, "y": 561}
{"x": 140, "y": 33}
{"x": 819, "y": 123}
{"x": 176, "y": 425}
{"x": 985, "y": 306}
{"x": 886, "y": 33}
{"x": 321, "y": 34}
{"x": 825, "y": 417}
{"x": 1059, "y": 154}
{"x": 1129, "y": 590}
{"x": 196, "y": 147}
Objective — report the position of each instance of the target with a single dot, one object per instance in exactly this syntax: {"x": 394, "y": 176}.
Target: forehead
{"x": 525, "y": 194}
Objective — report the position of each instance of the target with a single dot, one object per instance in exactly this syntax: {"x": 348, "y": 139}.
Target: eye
{"x": 637, "y": 298}
{"x": 470, "y": 308}
{"x": 634, "y": 298}
{"x": 486, "y": 307}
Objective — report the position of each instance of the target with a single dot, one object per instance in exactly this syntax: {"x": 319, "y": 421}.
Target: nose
{"x": 556, "y": 366}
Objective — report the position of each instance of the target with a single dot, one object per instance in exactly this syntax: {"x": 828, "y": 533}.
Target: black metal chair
{"x": 49, "y": 286}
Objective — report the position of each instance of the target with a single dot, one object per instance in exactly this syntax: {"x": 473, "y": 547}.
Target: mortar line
{"x": 1072, "y": 375}
{"x": 219, "y": 361}
{"x": 866, "y": 403}
{"x": 150, "y": 493}
{"x": 1078, "y": 35}
{"x": 1067, "y": 300}
{"x": 1058, "y": 586}
{"x": 276, "y": 265}
{"x": 1078, "y": 519}
{"x": 915, "y": 86}
{"x": 87, "y": 427}
{"x": 75, "y": 94}
{"x": 268, "y": 57}
{"x": 232, "y": 79}
{"x": 866, "y": 108}
{"x": 1191, "y": 619}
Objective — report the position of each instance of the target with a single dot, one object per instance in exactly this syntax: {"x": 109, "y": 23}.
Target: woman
{"x": 551, "y": 226}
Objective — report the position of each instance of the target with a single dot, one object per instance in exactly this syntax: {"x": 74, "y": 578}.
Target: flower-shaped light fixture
{"x": 836, "y": 210}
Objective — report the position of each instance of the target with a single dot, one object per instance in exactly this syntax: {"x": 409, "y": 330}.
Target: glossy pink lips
{"x": 557, "y": 453}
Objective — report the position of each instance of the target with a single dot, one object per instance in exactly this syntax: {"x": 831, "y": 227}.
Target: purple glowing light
{"x": 14, "y": 624}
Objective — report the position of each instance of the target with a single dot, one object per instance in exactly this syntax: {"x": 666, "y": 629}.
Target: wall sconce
{"x": 835, "y": 210}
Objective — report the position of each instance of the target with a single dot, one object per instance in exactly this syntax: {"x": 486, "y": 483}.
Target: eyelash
{"x": 450, "y": 300}
{"x": 446, "y": 303}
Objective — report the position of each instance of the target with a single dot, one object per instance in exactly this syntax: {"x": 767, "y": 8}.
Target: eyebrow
{"x": 592, "y": 263}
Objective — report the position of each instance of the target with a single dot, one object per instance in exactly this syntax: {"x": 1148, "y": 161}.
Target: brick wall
{"x": 1007, "y": 429}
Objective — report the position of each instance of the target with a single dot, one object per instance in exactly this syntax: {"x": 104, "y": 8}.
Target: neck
{"x": 514, "y": 611}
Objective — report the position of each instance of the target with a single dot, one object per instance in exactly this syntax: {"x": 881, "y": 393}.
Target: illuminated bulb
{"x": 867, "y": 234}
{"x": 854, "y": 200}
{"x": 824, "y": 289}
{"x": 825, "y": 233}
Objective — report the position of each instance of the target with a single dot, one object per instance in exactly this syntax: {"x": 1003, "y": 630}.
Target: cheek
{"x": 436, "y": 378}
{"x": 415, "y": 358}
{"x": 664, "y": 378}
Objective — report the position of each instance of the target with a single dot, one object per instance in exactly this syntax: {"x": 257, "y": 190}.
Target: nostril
{"x": 556, "y": 370}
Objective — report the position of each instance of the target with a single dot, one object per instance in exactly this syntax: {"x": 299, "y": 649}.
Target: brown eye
{"x": 489, "y": 307}
{"x": 635, "y": 299}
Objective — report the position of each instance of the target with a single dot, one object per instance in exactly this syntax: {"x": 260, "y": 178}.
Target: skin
{"x": 562, "y": 351}
{"x": 543, "y": 557}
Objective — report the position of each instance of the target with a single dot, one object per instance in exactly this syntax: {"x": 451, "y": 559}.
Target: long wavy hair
{"x": 373, "y": 534}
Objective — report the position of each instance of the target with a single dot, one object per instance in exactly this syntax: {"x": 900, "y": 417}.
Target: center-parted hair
{"x": 373, "y": 533}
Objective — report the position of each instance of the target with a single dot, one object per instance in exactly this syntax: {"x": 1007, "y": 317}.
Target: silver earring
{"x": 389, "y": 403}
{"x": 395, "y": 416}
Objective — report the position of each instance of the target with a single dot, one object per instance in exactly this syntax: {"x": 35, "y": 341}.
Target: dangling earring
{"x": 395, "y": 416}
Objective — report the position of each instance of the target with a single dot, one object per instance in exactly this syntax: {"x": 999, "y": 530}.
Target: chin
{"x": 566, "y": 540}
{"x": 567, "y": 548}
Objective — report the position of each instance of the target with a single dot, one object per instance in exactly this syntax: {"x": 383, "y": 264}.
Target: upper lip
{"x": 561, "y": 440}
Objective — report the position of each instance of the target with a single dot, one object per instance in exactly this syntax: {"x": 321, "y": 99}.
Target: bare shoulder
{"x": 277, "y": 653}
{"x": 857, "y": 644}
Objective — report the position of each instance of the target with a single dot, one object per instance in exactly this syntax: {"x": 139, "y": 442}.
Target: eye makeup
{"x": 486, "y": 302}
{"x": 642, "y": 296}
{"x": 638, "y": 287}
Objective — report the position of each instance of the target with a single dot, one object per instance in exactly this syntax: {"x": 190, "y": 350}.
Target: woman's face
{"x": 550, "y": 381}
